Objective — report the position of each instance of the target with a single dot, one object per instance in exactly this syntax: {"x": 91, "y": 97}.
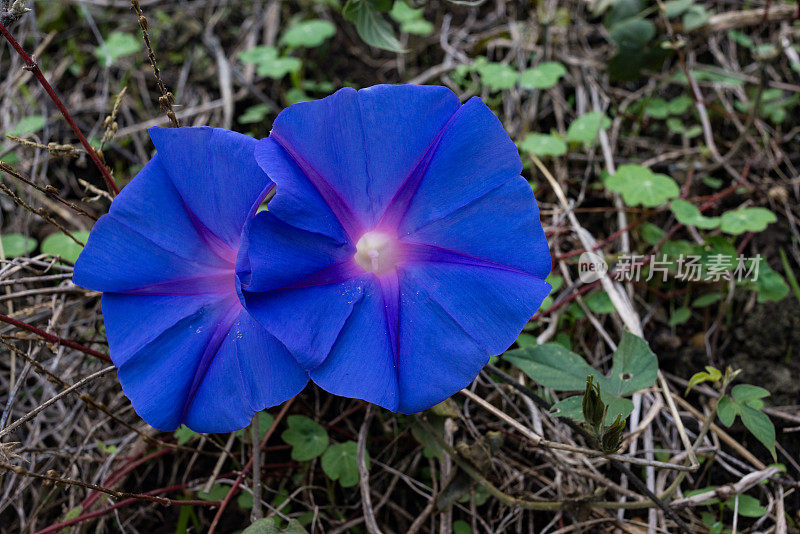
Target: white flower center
{"x": 376, "y": 252}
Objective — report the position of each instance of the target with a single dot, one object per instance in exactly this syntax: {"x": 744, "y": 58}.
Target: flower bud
{"x": 593, "y": 406}
{"x": 612, "y": 436}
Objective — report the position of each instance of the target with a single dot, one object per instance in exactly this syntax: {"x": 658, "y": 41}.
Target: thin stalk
{"x": 31, "y": 65}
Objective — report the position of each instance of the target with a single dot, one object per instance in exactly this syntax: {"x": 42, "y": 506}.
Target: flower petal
{"x": 158, "y": 376}
{"x": 306, "y": 320}
{"x": 361, "y": 363}
{"x": 500, "y": 227}
{"x": 299, "y": 285}
{"x": 185, "y": 349}
{"x": 274, "y": 255}
{"x": 296, "y": 202}
{"x": 437, "y": 356}
{"x": 204, "y": 362}
{"x": 216, "y": 175}
{"x": 474, "y": 156}
{"x": 250, "y": 371}
{"x": 491, "y": 305}
{"x": 147, "y": 238}
{"x": 358, "y": 147}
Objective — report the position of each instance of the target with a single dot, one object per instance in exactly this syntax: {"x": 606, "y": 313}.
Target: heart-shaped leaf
{"x": 634, "y": 367}
{"x": 586, "y": 128}
{"x": 17, "y": 245}
{"x": 340, "y": 462}
{"x": 743, "y": 220}
{"x": 309, "y": 34}
{"x": 542, "y": 76}
{"x": 688, "y": 214}
{"x": 307, "y": 438}
{"x": 543, "y": 145}
{"x": 640, "y": 186}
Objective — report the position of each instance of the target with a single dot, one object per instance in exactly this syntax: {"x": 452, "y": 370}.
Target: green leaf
{"x": 674, "y": 8}
{"x": 184, "y": 434}
{"x": 217, "y": 492}
{"x": 706, "y": 300}
{"x": 552, "y": 366}
{"x": 417, "y": 27}
{"x": 676, "y": 248}
{"x": 769, "y": 285}
{"x": 747, "y": 507}
{"x": 640, "y": 186}
{"x": 619, "y": 11}
{"x": 726, "y": 410}
{"x": 679, "y": 105}
{"x": 411, "y": 20}
{"x": 555, "y": 281}
{"x": 497, "y": 76}
{"x": 585, "y": 128}
{"x": 711, "y": 374}
{"x": 652, "y": 234}
{"x": 695, "y": 17}
{"x": 307, "y": 438}
{"x": 743, "y": 393}
{"x": 269, "y": 525}
{"x": 599, "y": 302}
{"x": 63, "y": 246}
{"x": 688, "y": 214}
{"x": 73, "y": 513}
{"x": 572, "y": 407}
{"x": 543, "y": 145}
{"x": 371, "y": 26}
{"x": 717, "y": 250}
{"x": 742, "y": 39}
{"x": 265, "y": 421}
{"x": 340, "y": 462}
{"x": 28, "y": 125}
{"x": 117, "y": 45}
{"x": 295, "y": 95}
{"x": 430, "y": 446}
{"x": 106, "y": 449}
{"x": 680, "y": 316}
{"x": 255, "y": 114}
{"x": 634, "y": 367}
{"x": 711, "y": 75}
{"x": 526, "y": 340}
{"x": 743, "y": 220}
{"x": 17, "y": 245}
{"x": 657, "y": 108}
{"x": 760, "y": 426}
{"x": 402, "y": 12}
{"x": 245, "y": 500}
{"x": 268, "y": 63}
{"x": 309, "y": 34}
{"x": 633, "y": 34}
{"x": 461, "y": 527}
{"x": 542, "y": 76}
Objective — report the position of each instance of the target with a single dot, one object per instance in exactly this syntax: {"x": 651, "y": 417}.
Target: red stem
{"x": 235, "y": 488}
{"x": 117, "y": 475}
{"x": 34, "y": 68}
{"x": 120, "y": 504}
{"x": 53, "y": 339}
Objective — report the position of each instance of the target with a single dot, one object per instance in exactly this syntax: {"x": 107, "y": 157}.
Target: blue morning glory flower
{"x": 402, "y": 248}
{"x": 185, "y": 349}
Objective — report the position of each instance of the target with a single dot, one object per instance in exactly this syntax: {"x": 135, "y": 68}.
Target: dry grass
{"x": 69, "y": 438}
